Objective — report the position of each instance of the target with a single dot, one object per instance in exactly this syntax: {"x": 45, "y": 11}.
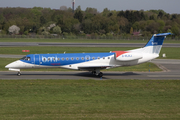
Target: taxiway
{"x": 171, "y": 71}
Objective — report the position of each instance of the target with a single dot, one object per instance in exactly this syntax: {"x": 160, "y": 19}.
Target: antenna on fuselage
{"x": 64, "y": 52}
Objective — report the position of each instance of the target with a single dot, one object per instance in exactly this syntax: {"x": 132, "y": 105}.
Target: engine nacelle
{"x": 128, "y": 56}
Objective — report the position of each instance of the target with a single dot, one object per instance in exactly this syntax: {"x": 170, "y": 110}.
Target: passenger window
{"x": 98, "y": 57}
{"x": 82, "y": 58}
{"x": 77, "y": 58}
{"x": 62, "y": 59}
{"x": 72, "y": 58}
{"x": 67, "y": 58}
{"x": 58, "y": 59}
{"x": 93, "y": 58}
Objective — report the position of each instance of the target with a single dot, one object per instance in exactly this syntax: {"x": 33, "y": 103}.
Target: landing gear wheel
{"x": 100, "y": 74}
{"x": 19, "y": 74}
{"x": 94, "y": 72}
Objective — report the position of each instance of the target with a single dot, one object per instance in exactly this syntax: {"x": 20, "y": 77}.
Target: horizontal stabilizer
{"x": 163, "y": 34}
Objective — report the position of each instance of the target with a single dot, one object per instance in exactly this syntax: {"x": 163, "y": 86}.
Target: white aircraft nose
{"x": 15, "y": 64}
{"x": 7, "y": 66}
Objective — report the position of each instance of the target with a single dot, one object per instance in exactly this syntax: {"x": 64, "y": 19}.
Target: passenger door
{"x": 36, "y": 59}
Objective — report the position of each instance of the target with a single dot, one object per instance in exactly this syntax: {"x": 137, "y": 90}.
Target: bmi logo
{"x": 154, "y": 43}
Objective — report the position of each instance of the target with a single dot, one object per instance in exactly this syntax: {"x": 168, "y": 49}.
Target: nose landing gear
{"x": 19, "y": 74}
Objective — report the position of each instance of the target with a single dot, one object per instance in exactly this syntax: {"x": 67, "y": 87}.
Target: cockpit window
{"x": 23, "y": 58}
{"x": 26, "y": 58}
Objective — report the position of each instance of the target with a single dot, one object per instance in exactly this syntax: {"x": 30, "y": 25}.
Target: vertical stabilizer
{"x": 155, "y": 43}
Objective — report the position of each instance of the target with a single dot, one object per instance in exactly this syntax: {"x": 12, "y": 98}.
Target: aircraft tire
{"x": 94, "y": 72}
{"x": 100, "y": 74}
{"x": 19, "y": 74}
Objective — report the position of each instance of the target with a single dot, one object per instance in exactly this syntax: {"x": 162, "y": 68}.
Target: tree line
{"x": 44, "y": 21}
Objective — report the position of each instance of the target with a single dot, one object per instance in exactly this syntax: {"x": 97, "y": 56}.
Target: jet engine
{"x": 127, "y": 56}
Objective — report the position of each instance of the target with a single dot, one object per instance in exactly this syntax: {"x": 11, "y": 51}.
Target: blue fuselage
{"x": 63, "y": 59}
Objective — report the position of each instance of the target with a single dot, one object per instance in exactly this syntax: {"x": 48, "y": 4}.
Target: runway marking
{"x": 164, "y": 76}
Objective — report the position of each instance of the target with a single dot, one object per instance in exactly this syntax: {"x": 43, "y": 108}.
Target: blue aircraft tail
{"x": 154, "y": 45}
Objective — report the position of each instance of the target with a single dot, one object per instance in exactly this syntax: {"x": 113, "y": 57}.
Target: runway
{"x": 171, "y": 71}
{"x": 16, "y": 44}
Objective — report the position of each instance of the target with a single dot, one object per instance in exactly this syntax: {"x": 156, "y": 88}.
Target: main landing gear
{"x": 100, "y": 74}
{"x": 97, "y": 73}
{"x": 19, "y": 74}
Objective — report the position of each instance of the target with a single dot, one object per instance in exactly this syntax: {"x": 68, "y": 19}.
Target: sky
{"x": 169, "y": 6}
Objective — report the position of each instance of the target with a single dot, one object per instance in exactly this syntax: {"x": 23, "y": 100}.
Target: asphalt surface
{"x": 171, "y": 71}
{"x": 14, "y": 44}
{"x": 11, "y": 56}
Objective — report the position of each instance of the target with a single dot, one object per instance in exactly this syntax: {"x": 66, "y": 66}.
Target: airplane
{"x": 93, "y": 62}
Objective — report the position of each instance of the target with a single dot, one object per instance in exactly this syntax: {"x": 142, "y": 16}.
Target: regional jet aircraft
{"x": 93, "y": 62}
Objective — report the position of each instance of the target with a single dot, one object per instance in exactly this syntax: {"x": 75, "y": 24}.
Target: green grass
{"x": 56, "y": 49}
{"x": 145, "y": 67}
{"x": 171, "y": 53}
{"x": 70, "y": 40}
{"x": 89, "y": 99}
{"x": 80, "y": 40}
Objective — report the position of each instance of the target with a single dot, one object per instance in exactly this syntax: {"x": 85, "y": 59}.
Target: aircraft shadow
{"x": 68, "y": 74}
{"x": 106, "y": 75}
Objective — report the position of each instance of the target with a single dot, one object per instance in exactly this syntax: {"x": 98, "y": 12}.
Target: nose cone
{"x": 7, "y": 66}
{"x": 15, "y": 64}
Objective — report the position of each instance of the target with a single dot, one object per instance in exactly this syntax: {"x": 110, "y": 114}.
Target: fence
{"x": 84, "y": 37}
